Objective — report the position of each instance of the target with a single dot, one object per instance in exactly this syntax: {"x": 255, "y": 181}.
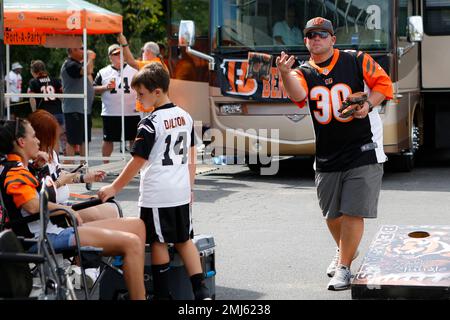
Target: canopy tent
{"x": 59, "y": 17}
{"x": 32, "y": 22}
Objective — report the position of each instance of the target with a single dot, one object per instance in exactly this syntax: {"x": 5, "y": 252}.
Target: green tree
{"x": 143, "y": 20}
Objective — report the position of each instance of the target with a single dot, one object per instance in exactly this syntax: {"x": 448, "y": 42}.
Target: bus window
{"x": 437, "y": 17}
{"x": 261, "y": 24}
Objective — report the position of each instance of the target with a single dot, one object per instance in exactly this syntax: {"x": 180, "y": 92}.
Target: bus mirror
{"x": 186, "y": 33}
{"x": 415, "y": 29}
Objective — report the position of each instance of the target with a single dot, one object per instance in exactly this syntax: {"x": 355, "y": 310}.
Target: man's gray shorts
{"x": 353, "y": 192}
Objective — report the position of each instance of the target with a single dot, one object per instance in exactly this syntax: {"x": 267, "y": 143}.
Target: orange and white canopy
{"x": 31, "y": 20}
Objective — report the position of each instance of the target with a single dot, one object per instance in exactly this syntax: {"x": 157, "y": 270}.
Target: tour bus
{"x": 408, "y": 38}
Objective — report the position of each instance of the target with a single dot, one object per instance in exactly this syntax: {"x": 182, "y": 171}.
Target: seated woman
{"x": 47, "y": 131}
{"x": 118, "y": 236}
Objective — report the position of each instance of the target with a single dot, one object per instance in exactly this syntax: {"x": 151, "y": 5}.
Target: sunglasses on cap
{"x": 115, "y": 54}
{"x": 4, "y": 123}
{"x": 321, "y": 34}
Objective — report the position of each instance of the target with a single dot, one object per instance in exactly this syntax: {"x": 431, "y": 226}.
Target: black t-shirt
{"x": 47, "y": 85}
{"x": 73, "y": 68}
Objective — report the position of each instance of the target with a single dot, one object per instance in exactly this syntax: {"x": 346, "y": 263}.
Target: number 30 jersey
{"x": 344, "y": 143}
{"x": 164, "y": 138}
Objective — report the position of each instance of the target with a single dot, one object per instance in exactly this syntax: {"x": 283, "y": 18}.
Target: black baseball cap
{"x": 319, "y": 23}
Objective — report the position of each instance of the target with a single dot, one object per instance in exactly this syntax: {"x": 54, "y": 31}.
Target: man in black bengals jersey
{"x": 349, "y": 149}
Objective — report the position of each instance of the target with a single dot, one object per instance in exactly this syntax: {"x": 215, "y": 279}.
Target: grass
{"x": 97, "y": 122}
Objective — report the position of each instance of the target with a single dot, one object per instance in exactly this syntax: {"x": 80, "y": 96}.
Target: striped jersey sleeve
{"x": 21, "y": 185}
{"x": 145, "y": 139}
{"x": 375, "y": 76}
{"x": 302, "y": 81}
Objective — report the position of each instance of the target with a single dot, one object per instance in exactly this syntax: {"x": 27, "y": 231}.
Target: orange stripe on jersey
{"x": 21, "y": 193}
{"x": 21, "y": 185}
{"x": 376, "y": 78}
{"x": 22, "y": 174}
{"x": 301, "y": 79}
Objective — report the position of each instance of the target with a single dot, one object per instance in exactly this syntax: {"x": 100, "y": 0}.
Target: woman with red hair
{"x": 47, "y": 128}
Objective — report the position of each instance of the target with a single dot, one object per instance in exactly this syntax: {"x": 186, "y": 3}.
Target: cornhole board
{"x": 406, "y": 262}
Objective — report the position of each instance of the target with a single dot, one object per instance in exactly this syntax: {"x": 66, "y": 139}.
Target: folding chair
{"x": 16, "y": 277}
{"x": 51, "y": 272}
{"x": 89, "y": 257}
{"x": 16, "y": 280}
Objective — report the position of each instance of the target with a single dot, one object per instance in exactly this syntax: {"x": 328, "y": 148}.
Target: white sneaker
{"x": 341, "y": 279}
{"x": 333, "y": 264}
{"x": 75, "y": 276}
{"x": 91, "y": 276}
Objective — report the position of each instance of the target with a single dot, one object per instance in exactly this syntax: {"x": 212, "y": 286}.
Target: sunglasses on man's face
{"x": 321, "y": 34}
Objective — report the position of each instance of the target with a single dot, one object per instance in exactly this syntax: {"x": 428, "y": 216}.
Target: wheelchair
{"x": 47, "y": 279}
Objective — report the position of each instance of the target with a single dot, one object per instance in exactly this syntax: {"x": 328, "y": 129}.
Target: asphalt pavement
{"x": 271, "y": 240}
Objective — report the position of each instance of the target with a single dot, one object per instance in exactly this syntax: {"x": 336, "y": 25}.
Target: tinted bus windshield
{"x": 278, "y": 24}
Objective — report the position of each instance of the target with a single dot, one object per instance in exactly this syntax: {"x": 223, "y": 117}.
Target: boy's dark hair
{"x": 10, "y": 131}
{"x": 152, "y": 76}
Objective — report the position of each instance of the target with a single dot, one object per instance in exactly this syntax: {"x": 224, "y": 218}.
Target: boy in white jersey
{"x": 164, "y": 151}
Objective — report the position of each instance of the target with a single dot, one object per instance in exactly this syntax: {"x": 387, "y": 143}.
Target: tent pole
{"x": 122, "y": 103}
{"x": 85, "y": 61}
{"x": 8, "y": 100}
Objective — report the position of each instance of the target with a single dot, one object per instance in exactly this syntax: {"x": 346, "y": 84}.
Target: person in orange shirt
{"x": 150, "y": 53}
{"x": 20, "y": 192}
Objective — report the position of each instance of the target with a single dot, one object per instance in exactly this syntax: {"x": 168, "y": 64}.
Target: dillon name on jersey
{"x": 164, "y": 138}
{"x": 344, "y": 143}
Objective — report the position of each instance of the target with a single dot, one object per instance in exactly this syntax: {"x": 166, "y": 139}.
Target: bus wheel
{"x": 401, "y": 163}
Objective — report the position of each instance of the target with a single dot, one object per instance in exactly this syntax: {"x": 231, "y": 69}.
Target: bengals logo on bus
{"x": 235, "y": 71}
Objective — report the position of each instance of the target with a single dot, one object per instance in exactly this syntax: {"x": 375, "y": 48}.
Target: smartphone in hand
{"x": 78, "y": 168}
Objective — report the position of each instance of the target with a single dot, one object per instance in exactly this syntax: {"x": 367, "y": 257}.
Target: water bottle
{"x": 118, "y": 261}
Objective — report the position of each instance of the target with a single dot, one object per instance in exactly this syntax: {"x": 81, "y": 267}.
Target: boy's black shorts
{"x": 168, "y": 225}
